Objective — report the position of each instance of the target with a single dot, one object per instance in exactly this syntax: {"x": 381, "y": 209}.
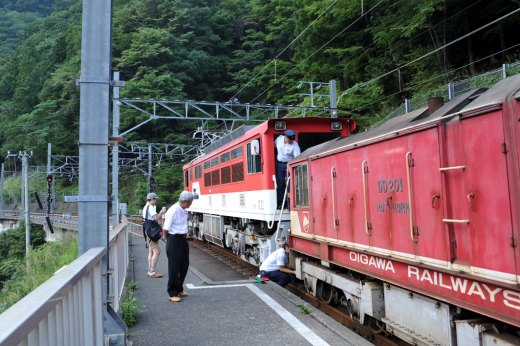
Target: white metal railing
{"x": 67, "y": 309}
{"x": 119, "y": 258}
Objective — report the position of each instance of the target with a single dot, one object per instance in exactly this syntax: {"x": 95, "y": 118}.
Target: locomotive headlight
{"x": 336, "y": 126}
{"x": 279, "y": 125}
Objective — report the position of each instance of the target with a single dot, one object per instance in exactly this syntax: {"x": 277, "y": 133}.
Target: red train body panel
{"x": 428, "y": 201}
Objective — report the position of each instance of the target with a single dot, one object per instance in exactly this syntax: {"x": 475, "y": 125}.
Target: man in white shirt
{"x": 175, "y": 230}
{"x": 287, "y": 149}
{"x": 154, "y": 250}
{"x": 274, "y": 266}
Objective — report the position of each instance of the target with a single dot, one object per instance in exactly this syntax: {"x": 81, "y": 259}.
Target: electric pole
{"x": 25, "y": 178}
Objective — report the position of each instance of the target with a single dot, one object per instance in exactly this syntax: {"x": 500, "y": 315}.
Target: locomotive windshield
{"x": 309, "y": 139}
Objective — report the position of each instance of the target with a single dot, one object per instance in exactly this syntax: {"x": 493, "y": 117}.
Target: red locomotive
{"x": 416, "y": 223}
{"x": 234, "y": 186}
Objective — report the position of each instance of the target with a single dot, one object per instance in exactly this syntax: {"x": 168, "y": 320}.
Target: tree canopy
{"x": 251, "y": 50}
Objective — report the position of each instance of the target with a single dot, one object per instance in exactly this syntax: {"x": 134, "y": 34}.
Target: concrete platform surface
{"x": 223, "y": 308}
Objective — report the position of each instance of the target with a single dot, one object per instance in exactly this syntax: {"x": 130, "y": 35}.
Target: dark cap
{"x": 290, "y": 133}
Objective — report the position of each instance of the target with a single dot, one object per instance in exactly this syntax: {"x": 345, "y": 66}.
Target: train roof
{"x": 248, "y": 130}
{"x": 239, "y": 132}
{"x": 473, "y": 102}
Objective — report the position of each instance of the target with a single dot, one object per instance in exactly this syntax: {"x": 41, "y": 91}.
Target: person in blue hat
{"x": 287, "y": 149}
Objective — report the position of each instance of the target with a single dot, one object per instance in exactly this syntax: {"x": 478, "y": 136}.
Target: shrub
{"x": 43, "y": 263}
{"x": 129, "y": 309}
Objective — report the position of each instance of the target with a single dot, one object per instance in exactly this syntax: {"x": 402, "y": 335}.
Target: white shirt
{"x": 176, "y": 220}
{"x": 286, "y": 151}
{"x": 274, "y": 261}
{"x": 151, "y": 211}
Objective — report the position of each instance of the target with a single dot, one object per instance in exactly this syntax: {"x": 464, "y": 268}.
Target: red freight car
{"x": 416, "y": 222}
{"x": 234, "y": 186}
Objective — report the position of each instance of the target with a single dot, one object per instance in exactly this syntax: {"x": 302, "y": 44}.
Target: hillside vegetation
{"x": 223, "y": 49}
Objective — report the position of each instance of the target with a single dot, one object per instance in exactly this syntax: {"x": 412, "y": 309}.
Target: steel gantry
{"x": 214, "y": 111}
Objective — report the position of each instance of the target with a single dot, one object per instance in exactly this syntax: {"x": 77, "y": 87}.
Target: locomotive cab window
{"x": 254, "y": 161}
{"x": 309, "y": 139}
{"x": 301, "y": 186}
{"x": 198, "y": 172}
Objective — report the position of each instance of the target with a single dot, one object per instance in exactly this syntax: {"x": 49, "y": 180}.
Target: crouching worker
{"x": 274, "y": 266}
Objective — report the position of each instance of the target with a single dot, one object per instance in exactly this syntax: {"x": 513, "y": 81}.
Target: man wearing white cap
{"x": 154, "y": 250}
{"x": 175, "y": 229}
{"x": 287, "y": 149}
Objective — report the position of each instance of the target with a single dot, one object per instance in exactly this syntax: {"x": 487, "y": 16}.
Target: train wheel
{"x": 328, "y": 293}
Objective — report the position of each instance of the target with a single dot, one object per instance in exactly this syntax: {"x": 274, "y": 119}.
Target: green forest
{"x": 251, "y": 50}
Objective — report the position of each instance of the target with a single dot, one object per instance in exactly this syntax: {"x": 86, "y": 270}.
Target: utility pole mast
{"x": 25, "y": 178}
{"x": 115, "y": 151}
{"x": 95, "y": 80}
{"x": 49, "y": 172}
{"x": 314, "y": 87}
{"x": 149, "y": 176}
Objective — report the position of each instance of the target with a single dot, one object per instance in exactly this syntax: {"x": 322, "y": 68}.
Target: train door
{"x": 478, "y": 214}
{"x": 378, "y": 200}
{"x": 486, "y": 199}
{"x": 424, "y": 190}
{"x": 344, "y": 198}
{"x": 513, "y": 141}
{"x": 394, "y": 205}
{"x": 454, "y": 174}
{"x": 323, "y": 199}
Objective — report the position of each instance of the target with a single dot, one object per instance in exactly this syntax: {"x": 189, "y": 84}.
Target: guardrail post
{"x": 407, "y": 105}
{"x": 451, "y": 90}
{"x": 504, "y": 70}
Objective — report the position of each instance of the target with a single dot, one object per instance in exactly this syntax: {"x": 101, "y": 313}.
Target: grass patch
{"x": 43, "y": 263}
{"x": 304, "y": 309}
{"x": 129, "y": 307}
{"x": 132, "y": 285}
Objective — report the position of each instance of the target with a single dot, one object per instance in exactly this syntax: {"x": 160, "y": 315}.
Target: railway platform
{"x": 224, "y": 308}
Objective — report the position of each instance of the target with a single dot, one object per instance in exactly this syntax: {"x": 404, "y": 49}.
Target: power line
{"x": 316, "y": 51}
{"x": 431, "y": 52}
{"x": 286, "y": 47}
{"x": 415, "y": 36}
{"x": 436, "y": 77}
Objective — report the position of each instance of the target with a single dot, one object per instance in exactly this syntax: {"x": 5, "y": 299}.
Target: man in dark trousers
{"x": 175, "y": 230}
{"x": 274, "y": 266}
{"x": 286, "y": 149}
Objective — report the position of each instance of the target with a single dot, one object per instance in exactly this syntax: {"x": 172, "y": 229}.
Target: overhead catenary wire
{"x": 284, "y": 49}
{"x": 357, "y": 86}
{"x": 433, "y": 78}
{"x": 343, "y": 61}
{"x": 316, "y": 51}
